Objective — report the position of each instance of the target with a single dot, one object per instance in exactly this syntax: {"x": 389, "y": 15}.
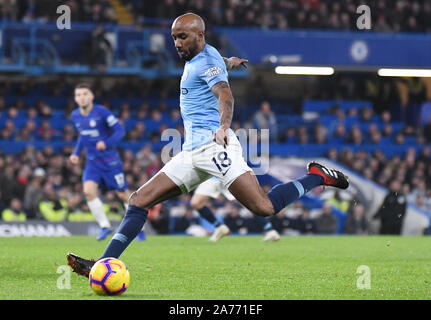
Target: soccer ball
{"x": 109, "y": 277}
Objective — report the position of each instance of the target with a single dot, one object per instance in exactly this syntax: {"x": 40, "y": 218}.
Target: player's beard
{"x": 191, "y": 53}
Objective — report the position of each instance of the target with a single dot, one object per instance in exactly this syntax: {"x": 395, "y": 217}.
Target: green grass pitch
{"x": 181, "y": 267}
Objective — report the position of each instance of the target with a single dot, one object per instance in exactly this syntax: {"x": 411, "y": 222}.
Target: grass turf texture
{"x": 177, "y": 268}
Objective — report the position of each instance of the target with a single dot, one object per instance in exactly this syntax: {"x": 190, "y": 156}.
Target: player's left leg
{"x": 247, "y": 191}
{"x": 158, "y": 189}
{"x": 95, "y": 205}
{"x": 270, "y": 233}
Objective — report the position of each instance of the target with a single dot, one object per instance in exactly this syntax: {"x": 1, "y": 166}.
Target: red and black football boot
{"x": 80, "y": 265}
{"x": 331, "y": 177}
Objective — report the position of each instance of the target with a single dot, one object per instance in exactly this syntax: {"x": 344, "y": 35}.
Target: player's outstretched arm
{"x": 225, "y": 105}
{"x": 234, "y": 62}
{"x": 74, "y": 157}
{"x": 118, "y": 133}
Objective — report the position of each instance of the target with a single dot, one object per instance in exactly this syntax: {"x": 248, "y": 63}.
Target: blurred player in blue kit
{"x": 210, "y": 147}
{"x": 99, "y": 132}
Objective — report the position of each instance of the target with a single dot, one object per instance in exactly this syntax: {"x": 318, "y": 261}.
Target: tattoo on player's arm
{"x": 225, "y": 102}
{"x": 226, "y": 113}
{"x": 218, "y": 87}
{"x": 228, "y": 63}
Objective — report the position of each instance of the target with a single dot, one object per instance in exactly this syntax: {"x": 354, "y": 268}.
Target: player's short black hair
{"x": 83, "y": 85}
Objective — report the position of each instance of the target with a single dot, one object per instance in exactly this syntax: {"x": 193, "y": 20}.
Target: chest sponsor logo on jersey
{"x": 90, "y": 132}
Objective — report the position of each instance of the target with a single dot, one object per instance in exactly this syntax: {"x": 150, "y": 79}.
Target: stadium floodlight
{"x": 303, "y": 70}
{"x": 389, "y": 72}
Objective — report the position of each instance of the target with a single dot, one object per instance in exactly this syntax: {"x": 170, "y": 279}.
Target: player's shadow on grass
{"x": 141, "y": 296}
{"x": 130, "y": 296}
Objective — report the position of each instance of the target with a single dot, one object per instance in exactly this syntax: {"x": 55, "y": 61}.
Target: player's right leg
{"x": 124, "y": 196}
{"x": 176, "y": 177}
{"x": 157, "y": 189}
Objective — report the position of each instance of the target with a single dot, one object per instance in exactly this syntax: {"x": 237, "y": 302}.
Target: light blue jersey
{"x": 199, "y": 106}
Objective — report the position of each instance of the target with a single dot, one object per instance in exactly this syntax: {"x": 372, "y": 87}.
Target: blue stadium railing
{"x": 41, "y": 48}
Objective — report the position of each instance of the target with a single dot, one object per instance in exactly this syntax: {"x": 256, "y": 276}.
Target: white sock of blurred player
{"x": 96, "y": 208}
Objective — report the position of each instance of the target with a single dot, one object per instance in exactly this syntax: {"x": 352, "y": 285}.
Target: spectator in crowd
{"x": 427, "y": 131}
{"x": 326, "y": 223}
{"x": 279, "y": 222}
{"x": 265, "y": 119}
{"x": 387, "y": 130}
{"x": 153, "y": 167}
{"x": 233, "y": 219}
{"x": 288, "y": 136}
{"x": 22, "y": 180}
{"x": 52, "y": 207}
{"x": 320, "y": 133}
{"x": 399, "y": 138}
{"x": 34, "y": 194}
{"x": 356, "y": 222}
{"x": 305, "y": 224}
{"x": 294, "y": 211}
{"x": 99, "y": 49}
{"x": 14, "y": 212}
{"x": 185, "y": 221}
{"x": 302, "y": 135}
{"x": 355, "y": 136}
{"x": 366, "y": 114}
{"x": 339, "y": 134}
{"x": 386, "y": 117}
{"x": 339, "y": 201}
{"x": 158, "y": 217}
{"x": 392, "y": 210}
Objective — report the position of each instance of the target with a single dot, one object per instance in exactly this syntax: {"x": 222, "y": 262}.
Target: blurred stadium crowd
{"x": 100, "y": 11}
{"x": 387, "y": 15}
{"x": 399, "y": 15}
{"x": 44, "y": 184}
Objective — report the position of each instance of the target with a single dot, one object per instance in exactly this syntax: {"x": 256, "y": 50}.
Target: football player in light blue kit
{"x": 99, "y": 132}
{"x": 210, "y": 148}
